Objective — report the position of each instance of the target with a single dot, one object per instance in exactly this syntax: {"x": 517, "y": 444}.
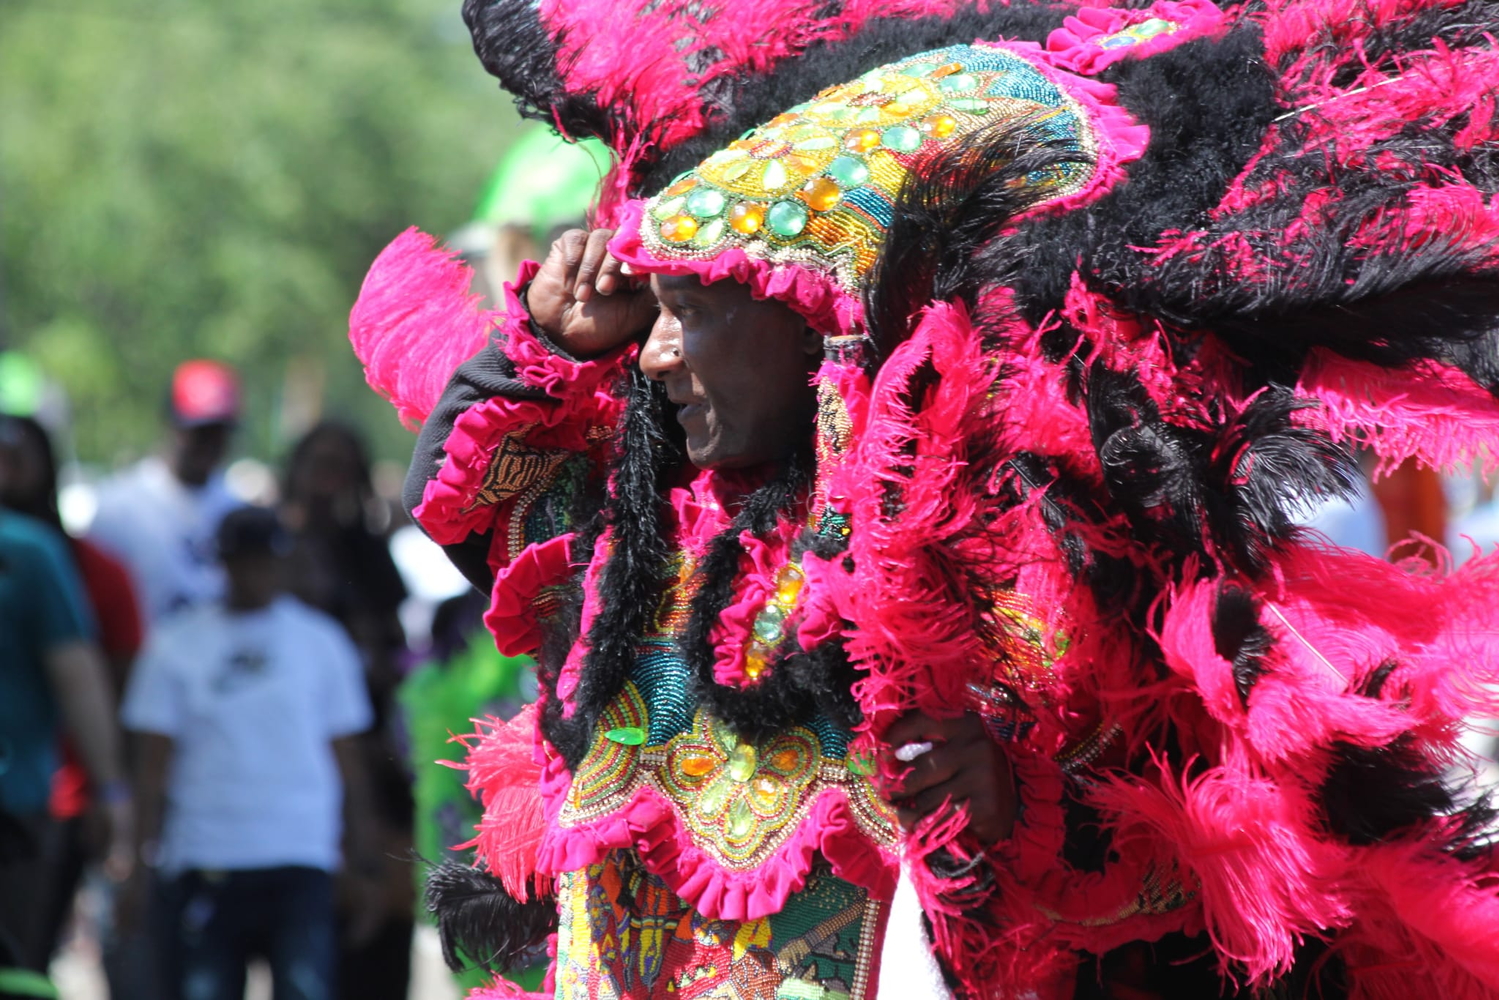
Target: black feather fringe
{"x": 482, "y": 924}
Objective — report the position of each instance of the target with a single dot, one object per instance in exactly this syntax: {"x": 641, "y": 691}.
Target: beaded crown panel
{"x": 817, "y": 184}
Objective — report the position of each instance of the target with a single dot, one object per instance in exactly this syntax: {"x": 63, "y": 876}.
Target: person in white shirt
{"x": 159, "y": 516}
{"x": 247, "y": 779}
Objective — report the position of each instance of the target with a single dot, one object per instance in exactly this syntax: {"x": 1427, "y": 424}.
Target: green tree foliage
{"x": 196, "y": 178}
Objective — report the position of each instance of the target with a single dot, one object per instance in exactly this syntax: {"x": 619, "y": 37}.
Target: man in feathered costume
{"x": 898, "y": 488}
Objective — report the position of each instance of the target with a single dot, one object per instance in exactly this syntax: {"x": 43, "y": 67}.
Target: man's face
{"x": 198, "y": 450}
{"x": 739, "y": 370}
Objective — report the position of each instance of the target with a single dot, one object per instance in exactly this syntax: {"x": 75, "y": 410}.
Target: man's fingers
{"x": 595, "y": 255}
{"x": 913, "y": 727}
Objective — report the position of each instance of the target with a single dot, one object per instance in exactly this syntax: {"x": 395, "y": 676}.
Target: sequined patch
{"x": 515, "y": 468}
{"x": 818, "y": 183}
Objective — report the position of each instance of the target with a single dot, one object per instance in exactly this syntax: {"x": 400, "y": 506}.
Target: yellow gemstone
{"x": 765, "y": 789}
{"x": 861, "y": 140}
{"x": 947, "y": 70}
{"x": 754, "y": 665}
{"x": 821, "y": 194}
{"x": 679, "y": 229}
{"x": 680, "y": 187}
{"x": 799, "y": 164}
{"x": 747, "y": 217}
{"x": 742, "y": 762}
{"x": 696, "y": 766}
{"x": 939, "y": 126}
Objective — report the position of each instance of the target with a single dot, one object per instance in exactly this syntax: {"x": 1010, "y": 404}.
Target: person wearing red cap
{"x": 159, "y": 516}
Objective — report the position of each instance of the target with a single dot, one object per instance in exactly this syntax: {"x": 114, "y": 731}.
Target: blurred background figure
{"x": 28, "y": 485}
{"x": 340, "y": 563}
{"x": 159, "y": 516}
{"x": 52, "y": 681}
{"x": 249, "y": 774}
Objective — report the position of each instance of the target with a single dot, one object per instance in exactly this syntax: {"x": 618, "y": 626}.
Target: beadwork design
{"x": 818, "y": 184}
{"x": 515, "y": 468}
{"x": 769, "y": 627}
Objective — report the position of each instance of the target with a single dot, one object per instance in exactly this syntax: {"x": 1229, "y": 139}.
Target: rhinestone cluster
{"x": 818, "y": 183}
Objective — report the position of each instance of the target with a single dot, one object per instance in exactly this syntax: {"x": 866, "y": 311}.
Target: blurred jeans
{"x": 210, "y": 924}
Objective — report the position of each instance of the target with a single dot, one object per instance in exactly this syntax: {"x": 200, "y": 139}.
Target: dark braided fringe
{"x": 632, "y": 581}
{"x": 779, "y": 700}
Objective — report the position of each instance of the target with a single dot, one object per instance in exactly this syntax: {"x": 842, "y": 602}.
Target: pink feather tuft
{"x": 504, "y": 776}
{"x": 415, "y": 322}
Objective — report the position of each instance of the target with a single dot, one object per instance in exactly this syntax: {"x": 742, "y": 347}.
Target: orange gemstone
{"x": 779, "y": 120}
{"x": 862, "y": 140}
{"x": 765, "y": 789}
{"x": 820, "y": 194}
{"x": 947, "y": 70}
{"x": 679, "y": 229}
{"x": 747, "y": 217}
{"x": 696, "y": 767}
{"x": 939, "y": 126}
{"x": 754, "y": 666}
{"x": 741, "y": 144}
{"x": 785, "y": 760}
{"x": 680, "y": 187}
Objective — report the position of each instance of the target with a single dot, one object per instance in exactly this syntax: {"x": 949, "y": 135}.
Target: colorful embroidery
{"x": 623, "y": 934}
{"x": 821, "y": 180}
{"x": 738, "y": 795}
{"x": 515, "y": 468}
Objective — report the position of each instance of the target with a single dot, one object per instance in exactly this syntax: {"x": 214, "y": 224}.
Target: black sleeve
{"x": 488, "y": 373}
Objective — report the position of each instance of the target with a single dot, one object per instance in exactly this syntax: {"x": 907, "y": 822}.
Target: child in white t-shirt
{"x": 245, "y": 711}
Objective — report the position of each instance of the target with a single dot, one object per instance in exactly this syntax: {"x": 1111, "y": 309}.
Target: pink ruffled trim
{"x": 1075, "y": 45}
{"x": 649, "y": 824}
{"x": 813, "y": 294}
{"x": 512, "y": 616}
{"x": 1120, "y": 138}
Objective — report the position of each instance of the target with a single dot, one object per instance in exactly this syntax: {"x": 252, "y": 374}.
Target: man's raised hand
{"x": 582, "y": 299}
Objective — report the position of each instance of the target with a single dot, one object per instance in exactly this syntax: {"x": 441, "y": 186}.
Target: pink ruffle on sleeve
{"x": 1097, "y": 37}
{"x": 649, "y": 824}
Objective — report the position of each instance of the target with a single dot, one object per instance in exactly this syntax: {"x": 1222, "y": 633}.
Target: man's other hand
{"x": 964, "y": 767}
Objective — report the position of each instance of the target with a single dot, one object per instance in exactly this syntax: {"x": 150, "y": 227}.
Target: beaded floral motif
{"x": 741, "y": 800}
{"x": 820, "y": 181}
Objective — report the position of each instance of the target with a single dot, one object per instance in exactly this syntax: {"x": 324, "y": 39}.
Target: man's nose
{"x": 662, "y": 352}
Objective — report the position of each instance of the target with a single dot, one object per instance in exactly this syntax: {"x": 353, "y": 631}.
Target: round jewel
{"x": 901, "y": 138}
{"x": 848, "y": 171}
{"x": 821, "y": 194}
{"x": 679, "y": 229}
{"x": 747, "y": 217}
{"x": 705, "y": 203}
{"x": 787, "y": 218}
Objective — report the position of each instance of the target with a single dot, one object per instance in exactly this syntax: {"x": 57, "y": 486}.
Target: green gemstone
{"x": 859, "y": 763}
{"x": 768, "y": 624}
{"x": 957, "y": 82}
{"x": 848, "y": 171}
{"x": 919, "y": 69}
{"x": 787, "y": 218}
{"x": 629, "y": 736}
{"x": 705, "y": 203}
{"x": 666, "y": 209}
{"x": 775, "y": 175}
{"x": 709, "y": 233}
{"x": 742, "y": 762}
{"x": 901, "y": 138}
{"x": 817, "y": 142}
{"x": 741, "y": 821}
{"x": 713, "y": 798}
{"x": 970, "y": 104}
{"x": 734, "y": 171}
{"x": 867, "y": 115}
